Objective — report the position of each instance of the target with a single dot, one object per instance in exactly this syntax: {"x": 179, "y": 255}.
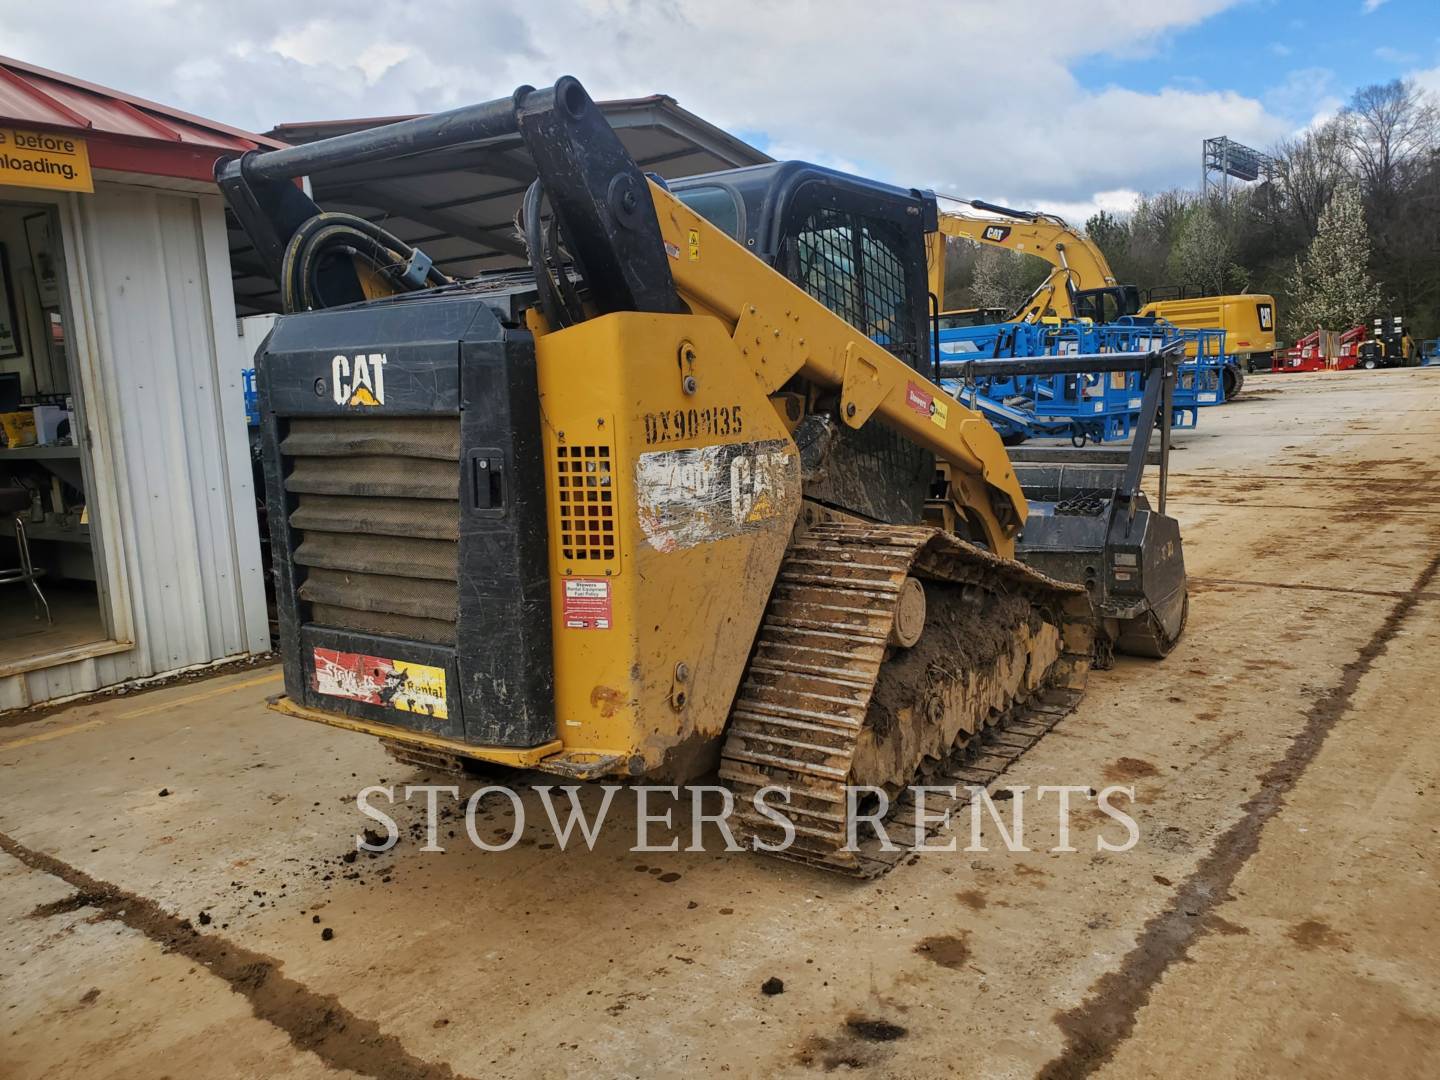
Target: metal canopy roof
{"x": 123, "y": 132}
{"x": 459, "y": 204}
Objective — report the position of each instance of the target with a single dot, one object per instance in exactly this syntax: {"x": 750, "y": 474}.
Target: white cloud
{"x": 1427, "y": 79}
{"x": 950, "y": 96}
{"x": 1306, "y": 96}
{"x": 1118, "y": 202}
{"x": 1392, "y": 55}
{"x": 1370, "y": 5}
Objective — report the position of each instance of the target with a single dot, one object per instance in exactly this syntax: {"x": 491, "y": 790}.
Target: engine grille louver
{"x": 377, "y": 523}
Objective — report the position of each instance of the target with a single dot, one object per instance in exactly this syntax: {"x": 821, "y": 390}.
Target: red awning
{"x": 123, "y": 132}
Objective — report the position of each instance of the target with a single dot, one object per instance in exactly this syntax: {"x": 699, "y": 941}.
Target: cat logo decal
{"x": 360, "y": 382}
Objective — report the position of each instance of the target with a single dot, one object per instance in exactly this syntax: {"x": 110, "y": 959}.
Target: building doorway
{"x": 44, "y": 460}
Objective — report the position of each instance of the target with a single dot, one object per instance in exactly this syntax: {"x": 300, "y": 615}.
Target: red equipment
{"x": 1305, "y": 355}
{"x": 1321, "y": 350}
{"x": 1349, "y": 355}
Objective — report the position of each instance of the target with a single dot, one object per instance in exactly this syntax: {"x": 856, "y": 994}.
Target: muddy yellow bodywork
{"x": 673, "y": 489}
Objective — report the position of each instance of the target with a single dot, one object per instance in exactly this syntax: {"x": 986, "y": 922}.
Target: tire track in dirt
{"x": 1096, "y": 1027}
{"x": 1385, "y": 594}
{"x": 314, "y": 1022}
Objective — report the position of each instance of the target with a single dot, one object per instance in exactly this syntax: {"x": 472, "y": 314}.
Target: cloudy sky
{"x": 1047, "y": 103}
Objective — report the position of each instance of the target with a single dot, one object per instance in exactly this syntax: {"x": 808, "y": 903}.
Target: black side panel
{"x": 503, "y": 633}
{"x": 407, "y": 521}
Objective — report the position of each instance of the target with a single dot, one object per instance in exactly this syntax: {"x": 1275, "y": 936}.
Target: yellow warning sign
{"x": 44, "y": 159}
{"x": 939, "y": 413}
{"x": 422, "y": 691}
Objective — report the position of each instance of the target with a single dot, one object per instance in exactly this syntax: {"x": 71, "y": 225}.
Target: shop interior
{"x": 50, "y": 600}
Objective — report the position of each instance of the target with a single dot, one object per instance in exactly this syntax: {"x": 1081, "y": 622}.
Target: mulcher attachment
{"x": 1090, "y": 522}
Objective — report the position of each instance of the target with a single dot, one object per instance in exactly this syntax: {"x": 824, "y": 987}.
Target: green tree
{"x": 1202, "y": 255}
{"x": 1331, "y": 286}
{"x": 1112, "y": 237}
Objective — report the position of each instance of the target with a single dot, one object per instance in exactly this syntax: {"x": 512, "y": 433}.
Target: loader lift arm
{"x": 638, "y": 248}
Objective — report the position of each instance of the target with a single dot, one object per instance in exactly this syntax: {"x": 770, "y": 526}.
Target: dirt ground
{"x": 171, "y": 862}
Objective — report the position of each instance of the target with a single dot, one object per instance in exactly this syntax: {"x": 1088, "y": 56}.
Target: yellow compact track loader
{"x": 664, "y": 503}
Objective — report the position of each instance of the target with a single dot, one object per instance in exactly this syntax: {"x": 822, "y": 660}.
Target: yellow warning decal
{"x": 423, "y": 690}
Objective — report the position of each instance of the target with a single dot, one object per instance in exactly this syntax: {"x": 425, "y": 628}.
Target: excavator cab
{"x": 1106, "y": 305}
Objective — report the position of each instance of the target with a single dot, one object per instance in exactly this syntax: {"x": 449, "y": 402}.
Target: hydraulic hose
{"x": 560, "y": 303}
{"x": 326, "y": 236}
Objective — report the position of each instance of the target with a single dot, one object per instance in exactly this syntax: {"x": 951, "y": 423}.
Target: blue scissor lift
{"x": 1086, "y": 406}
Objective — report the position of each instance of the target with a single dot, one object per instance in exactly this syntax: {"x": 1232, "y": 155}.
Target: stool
{"x": 15, "y": 502}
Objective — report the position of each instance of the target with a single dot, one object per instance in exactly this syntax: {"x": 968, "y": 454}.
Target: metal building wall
{"x": 156, "y": 342}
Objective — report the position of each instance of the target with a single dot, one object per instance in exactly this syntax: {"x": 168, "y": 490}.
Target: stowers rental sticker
{"x": 44, "y": 159}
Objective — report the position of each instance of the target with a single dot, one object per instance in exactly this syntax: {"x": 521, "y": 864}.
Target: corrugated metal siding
{"x": 164, "y": 395}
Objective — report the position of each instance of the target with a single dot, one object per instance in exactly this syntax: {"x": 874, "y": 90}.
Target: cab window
{"x": 716, "y": 205}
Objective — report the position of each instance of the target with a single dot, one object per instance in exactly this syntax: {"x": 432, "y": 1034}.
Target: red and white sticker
{"x": 927, "y": 404}
{"x": 378, "y": 680}
{"x": 587, "y": 604}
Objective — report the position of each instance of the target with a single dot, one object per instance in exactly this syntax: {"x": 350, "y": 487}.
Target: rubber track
{"x": 803, "y": 701}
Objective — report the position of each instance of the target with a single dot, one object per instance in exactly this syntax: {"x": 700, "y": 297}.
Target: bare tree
{"x": 1311, "y": 167}
{"x": 1386, "y": 128}
{"x": 1004, "y": 279}
{"x": 1154, "y": 227}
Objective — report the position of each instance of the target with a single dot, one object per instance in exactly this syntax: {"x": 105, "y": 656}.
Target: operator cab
{"x": 855, "y": 245}
{"x": 858, "y": 247}
{"x": 1106, "y": 305}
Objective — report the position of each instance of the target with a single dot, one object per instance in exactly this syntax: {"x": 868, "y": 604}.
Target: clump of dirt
{"x": 772, "y": 986}
{"x": 830, "y": 1054}
{"x": 1129, "y": 768}
{"x": 946, "y": 950}
{"x": 961, "y": 635}
{"x": 875, "y": 1030}
{"x": 1314, "y": 934}
{"x": 980, "y": 652}
{"x": 74, "y": 902}
{"x": 1225, "y": 926}
{"x": 974, "y": 899}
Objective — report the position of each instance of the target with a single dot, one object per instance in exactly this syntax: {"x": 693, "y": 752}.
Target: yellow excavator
{"x": 663, "y": 502}
{"x": 1082, "y": 285}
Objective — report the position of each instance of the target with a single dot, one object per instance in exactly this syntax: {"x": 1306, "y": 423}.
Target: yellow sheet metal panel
{"x": 673, "y": 490}
{"x": 1248, "y": 319}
